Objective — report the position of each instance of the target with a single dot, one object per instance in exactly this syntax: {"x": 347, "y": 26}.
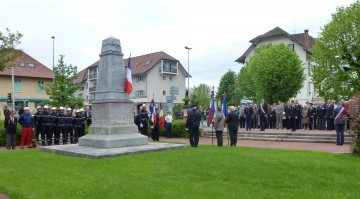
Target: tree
{"x": 245, "y": 86}
{"x": 62, "y": 91}
{"x": 277, "y": 72}
{"x": 200, "y": 95}
{"x": 227, "y": 85}
{"x": 8, "y": 53}
{"x": 354, "y": 109}
{"x": 336, "y": 54}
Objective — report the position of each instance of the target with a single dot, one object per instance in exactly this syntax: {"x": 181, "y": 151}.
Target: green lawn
{"x": 203, "y": 172}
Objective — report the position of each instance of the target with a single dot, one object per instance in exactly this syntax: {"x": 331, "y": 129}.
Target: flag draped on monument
{"x": 128, "y": 80}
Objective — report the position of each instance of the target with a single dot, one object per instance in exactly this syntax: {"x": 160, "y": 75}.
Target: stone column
{"x": 112, "y": 111}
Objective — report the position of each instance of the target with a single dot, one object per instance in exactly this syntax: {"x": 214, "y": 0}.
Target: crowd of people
{"x": 292, "y": 115}
{"x": 51, "y": 125}
{"x": 144, "y": 118}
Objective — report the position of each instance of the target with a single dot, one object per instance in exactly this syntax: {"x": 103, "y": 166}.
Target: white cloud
{"x": 218, "y": 31}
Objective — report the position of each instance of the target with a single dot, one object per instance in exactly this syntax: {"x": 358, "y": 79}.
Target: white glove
{"x": 295, "y": 117}
{"x": 141, "y": 125}
{"x": 152, "y": 127}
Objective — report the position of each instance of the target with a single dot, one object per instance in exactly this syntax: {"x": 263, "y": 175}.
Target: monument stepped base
{"x": 91, "y": 152}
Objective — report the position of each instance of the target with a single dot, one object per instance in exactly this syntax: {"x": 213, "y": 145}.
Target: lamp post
{"x": 188, "y": 76}
{"x": 53, "y": 38}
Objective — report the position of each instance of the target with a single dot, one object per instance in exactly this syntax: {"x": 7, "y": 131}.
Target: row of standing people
{"x": 338, "y": 116}
{"x": 49, "y": 125}
{"x": 290, "y": 116}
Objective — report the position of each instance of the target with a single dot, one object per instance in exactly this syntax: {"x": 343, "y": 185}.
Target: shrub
{"x": 354, "y": 111}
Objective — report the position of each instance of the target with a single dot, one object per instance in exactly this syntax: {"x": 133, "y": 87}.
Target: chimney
{"x": 306, "y": 38}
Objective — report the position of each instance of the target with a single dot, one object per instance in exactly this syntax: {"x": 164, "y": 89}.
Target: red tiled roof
{"x": 140, "y": 64}
{"x": 39, "y": 70}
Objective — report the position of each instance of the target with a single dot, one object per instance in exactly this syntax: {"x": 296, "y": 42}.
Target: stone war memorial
{"x": 112, "y": 132}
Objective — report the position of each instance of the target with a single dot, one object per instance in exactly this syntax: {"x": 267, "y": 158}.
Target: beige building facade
{"x": 30, "y": 77}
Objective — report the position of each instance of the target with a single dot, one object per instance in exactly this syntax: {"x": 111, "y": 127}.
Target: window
{"x": 41, "y": 87}
{"x": 32, "y": 65}
{"x": 140, "y": 78}
{"x": 140, "y": 93}
{"x": 164, "y": 77}
{"x": 148, "y": 62}
{"x": 17, "y": 85}
{"x": 164, "y": 92}
{"x": 291, "y": 46}
{"x": 136, "y": 64}
{"x": 87, "y": 97}
{"x": 309, "y": 69}
{"x": 21, "y": 64}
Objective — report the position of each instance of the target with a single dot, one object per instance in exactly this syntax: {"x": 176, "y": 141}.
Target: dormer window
{"x": 148, "y": 62}
{"x": 21, "y": 64}
{"x": 136, "y": 64}
{"x": 32, "y": 65}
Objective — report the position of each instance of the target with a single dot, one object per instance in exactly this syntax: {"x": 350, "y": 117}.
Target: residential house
{"x": 30, "y": 77}
{"x": 301, "y": 44}
{"x": 155, "y": 75}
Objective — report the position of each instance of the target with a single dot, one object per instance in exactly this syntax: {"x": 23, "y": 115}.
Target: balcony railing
{"x": 170, "y": 70}
{"x": 92, "y": 76}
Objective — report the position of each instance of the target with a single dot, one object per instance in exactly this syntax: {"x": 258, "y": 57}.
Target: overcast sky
{"x": 217, "y": 31}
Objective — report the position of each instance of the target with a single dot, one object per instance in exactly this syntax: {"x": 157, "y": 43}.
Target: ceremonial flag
{"x": 161, "y": 117}
{"x": 224, "y": 106}
{"x": 152, "y": 112}
{"x": 128, "y": 80}
{"x": 212, "y": 106}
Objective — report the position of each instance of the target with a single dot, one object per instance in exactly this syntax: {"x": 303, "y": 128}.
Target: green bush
{"x": 178, "y": 129}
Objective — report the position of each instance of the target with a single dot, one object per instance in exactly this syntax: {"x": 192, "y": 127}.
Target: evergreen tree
{"x": 61, "y": 92}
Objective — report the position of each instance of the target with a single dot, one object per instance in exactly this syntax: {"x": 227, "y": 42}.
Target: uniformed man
{"x": 53, "y": 121}
{"x": 293, "y": 115}
{"x": 232, "y": 127}
{"x": 272, "y": 117}
{"x": 69, "y": 127}
{"x": 143, "y": 119}
{"x": 155, "y": 126}
{"x": 6, "y": 111}
{"x": 60, "y": 126}
{"x": 249, "y": 112}
{"x": 193, "y": 123}
{"x": 329, "y": 116}
{"x": 321, "y": 111}
{"x": 46, "y": 126}
{"x": 312, "y": 117}
{"x": 262, "y": 112}
{"x": 78, "y": 125}
{"x": 37, "y": 117}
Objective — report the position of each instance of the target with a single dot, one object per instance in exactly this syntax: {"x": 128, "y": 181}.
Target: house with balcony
{"x": 30, "y": 77}
{"x": 155, "y": 75}
{"x": 300, "y": 43}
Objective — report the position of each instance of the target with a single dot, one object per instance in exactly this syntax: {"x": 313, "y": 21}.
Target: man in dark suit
{"x": 329, "y": 116}
{"x": 232, "y": 125}
{"x": 312, "y": 117}
{"x": 293, "y": 115}
{"x": 193, "y": 123}
{"x": 10, "y": 126}
{"x": 262, "y": 112}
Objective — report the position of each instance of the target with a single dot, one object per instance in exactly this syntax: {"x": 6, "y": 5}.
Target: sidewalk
{"x": 325, "y": 147}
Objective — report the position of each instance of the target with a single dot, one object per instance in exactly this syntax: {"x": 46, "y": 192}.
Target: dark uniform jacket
{"x": 249, "y": 111}
{"x": 10, "y": 126}
{"x": 329, "y": 111}
{"x": 232, "y": 121}
{"x": 293, "y": 111}
{"x": 194, "y": 119}
{"x": 262, "y": 111}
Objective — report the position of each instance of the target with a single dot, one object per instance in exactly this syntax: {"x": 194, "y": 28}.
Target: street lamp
{"x": 53, "y": 38}
{"x": 188, "y": 48}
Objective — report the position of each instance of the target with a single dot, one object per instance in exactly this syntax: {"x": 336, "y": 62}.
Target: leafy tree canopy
{"x": 8, "y": 43}
{"x": 277, "y": 72}
{"x": 200, "y": 95}
{"x": 227, "y": 85}
{"x": 336, "y": 54}
{"x": 61, "y": 92}
{"x": 245, "y": 86}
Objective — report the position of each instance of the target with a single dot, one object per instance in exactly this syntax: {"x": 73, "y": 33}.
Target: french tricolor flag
{"x": 128, "y": 81}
